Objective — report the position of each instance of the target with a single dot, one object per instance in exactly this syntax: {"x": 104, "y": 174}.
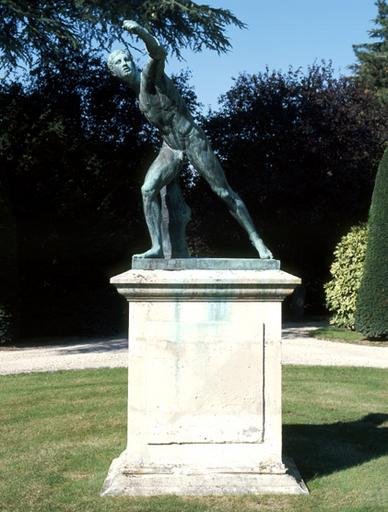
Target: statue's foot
{"x": 261, "y": 248}
{"x": 154, "y": 252}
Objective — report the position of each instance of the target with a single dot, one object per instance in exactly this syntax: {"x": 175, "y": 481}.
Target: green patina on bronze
{"x": 163, "y": 106}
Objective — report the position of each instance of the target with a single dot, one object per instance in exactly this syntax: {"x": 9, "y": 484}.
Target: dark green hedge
{"x": 372, "y": 301}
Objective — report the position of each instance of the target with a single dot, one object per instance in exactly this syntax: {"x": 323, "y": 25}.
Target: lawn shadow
{"x": 320, "y": 450}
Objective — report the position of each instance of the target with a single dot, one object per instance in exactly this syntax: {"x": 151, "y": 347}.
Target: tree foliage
{"x": 74, "y": 148}
{"x": 346, "y": 274}
{"x": 73, "y": 145}
{"x": 372, "y": 300}
{"x": 29, "y": 30}
{"x": 372, "y": 65}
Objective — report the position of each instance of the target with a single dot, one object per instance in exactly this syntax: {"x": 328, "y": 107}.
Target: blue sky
{"x": 280, "y": 33}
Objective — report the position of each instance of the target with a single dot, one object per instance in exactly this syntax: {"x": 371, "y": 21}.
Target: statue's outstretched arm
{"x": 154, "y": 48}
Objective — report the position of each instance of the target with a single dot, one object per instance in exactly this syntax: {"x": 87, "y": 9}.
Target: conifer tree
{"x": 372, "y": 66}
{"x": 31, "y": 29}
{"x": 372, "y": 300}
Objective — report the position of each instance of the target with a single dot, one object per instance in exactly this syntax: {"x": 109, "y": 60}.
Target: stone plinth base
{"x": 204, "y": 382}
{"x": 204, "y": 264}
{"x": 122, "y": 481}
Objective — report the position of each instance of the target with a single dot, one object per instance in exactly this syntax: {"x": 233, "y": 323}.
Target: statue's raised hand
{"x": 155, "y": 50}
{"x": 131, "y": 26}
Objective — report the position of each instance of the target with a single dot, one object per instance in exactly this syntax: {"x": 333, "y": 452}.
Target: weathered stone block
{"x": 204, "y": 397}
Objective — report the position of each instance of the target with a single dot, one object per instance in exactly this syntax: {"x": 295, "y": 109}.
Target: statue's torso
{"x": 163, "y": 106}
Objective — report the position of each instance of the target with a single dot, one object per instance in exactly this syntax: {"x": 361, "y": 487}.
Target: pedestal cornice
{"x": 204, "y": 285}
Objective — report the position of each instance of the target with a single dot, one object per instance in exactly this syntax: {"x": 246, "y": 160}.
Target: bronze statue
{"x": 163, "y": 106}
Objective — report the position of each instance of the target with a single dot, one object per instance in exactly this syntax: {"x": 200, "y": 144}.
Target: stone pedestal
{"x": 204, "y": 397}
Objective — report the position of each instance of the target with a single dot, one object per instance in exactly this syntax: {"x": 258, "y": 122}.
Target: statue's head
{"x": 121, "y": 65}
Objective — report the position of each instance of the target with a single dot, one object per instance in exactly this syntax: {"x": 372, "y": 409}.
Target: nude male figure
{"x": 162, "y": 105}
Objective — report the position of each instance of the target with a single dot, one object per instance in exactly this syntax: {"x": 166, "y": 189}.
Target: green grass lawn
{"x": 60, "y": 431}
{"x": 345, "y": 335}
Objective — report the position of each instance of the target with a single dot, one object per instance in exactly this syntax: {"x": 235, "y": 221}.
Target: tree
{"x": 74, "y": 148}
{"x": 72, "y": 145}
{"x": 31, "y": 29}
{"x": 302, "y": 149}
{"x": 372, "y": 66}
{"x": 372, "y": 300}
{"x": 44, "y": 149}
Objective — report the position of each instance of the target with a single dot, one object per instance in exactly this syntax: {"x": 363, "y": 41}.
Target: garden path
{"x": 299, "y": 348}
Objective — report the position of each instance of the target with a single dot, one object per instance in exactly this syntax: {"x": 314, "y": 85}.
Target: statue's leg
{"x": 179, "y": 215}
{"x": 163, "y": 169}
{"x": 207, "y": 164}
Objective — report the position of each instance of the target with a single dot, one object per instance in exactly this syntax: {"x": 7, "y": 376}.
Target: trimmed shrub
{"x": 372, "y": 300}
{"x": 346, "y": 270}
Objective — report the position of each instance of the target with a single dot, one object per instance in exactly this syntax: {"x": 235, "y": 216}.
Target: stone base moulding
{"x": 204, "y": 387}
{"x": 123, "y": 481}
